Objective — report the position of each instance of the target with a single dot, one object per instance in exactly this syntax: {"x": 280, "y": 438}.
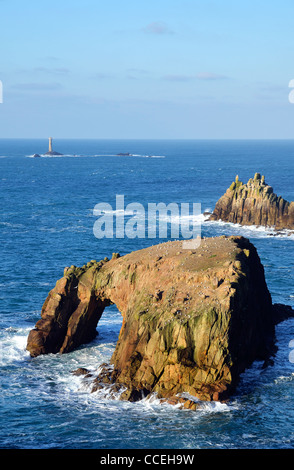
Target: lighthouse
{"x": 50, "y": 144}
{"x": 51, "y": 151}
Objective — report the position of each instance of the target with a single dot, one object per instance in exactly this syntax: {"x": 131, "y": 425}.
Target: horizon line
{"x": 153, "y": 139}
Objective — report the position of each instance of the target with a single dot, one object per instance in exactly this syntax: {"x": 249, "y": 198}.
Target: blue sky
{"x": 146, "y": 69}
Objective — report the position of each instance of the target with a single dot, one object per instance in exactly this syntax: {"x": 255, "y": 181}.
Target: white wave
{"x": 159, "y": 217}
{"x": 13, "y": 345}
{"x": 199, "y": 218}
{"x": 117, "y": 212}
{"x": 55, "y": 156}
{"x": 8, "y": 224}
{"x": 61, "y": 156}
{"x": 70, "y": 155}
{"x": 152, "y": 402}
{"x": 283, "y": 378}
{"x": 253, "y": 231}
{"x": 210, "y": 406}
{"x": 217, "y": 407}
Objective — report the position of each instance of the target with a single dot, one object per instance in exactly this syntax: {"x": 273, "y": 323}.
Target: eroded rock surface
{"x": 193, "y": 320}
{"x": 254, "y": 203}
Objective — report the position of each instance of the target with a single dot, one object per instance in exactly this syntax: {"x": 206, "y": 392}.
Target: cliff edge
{"x": 254, "y": 203}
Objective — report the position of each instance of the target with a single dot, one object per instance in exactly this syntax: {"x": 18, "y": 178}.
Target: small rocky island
{"x": 193, "y": 320}
{"x": 254, "y": 203}
{"x": 51, "y": 152}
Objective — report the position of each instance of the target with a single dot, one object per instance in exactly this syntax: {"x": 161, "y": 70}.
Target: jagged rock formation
{"x": 193, "y": 320}
{"x": 254, "y": 203}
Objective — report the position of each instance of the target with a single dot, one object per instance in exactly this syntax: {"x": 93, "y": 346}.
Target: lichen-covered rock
{"x": 193, "y": 320}
{"x": 254, "y": 203}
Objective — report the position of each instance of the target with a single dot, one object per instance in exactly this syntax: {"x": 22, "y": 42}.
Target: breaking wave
{"x": 249, "y": 231}
{"x": 41, "y": 155}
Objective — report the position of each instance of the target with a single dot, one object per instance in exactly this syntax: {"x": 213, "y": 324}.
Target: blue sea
{"x": 47, "y": 223}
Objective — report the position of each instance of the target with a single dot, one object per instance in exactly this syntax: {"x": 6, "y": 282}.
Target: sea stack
{"x": 193, "y": 320}
{"x": 254, "y": 203}
{"x": 50, "y": 150}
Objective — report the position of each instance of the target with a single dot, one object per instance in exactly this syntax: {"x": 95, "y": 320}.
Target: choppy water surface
{"x": 47, "y": 223}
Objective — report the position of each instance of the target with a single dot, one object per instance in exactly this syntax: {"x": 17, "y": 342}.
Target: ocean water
{"x": 47, "y": 223}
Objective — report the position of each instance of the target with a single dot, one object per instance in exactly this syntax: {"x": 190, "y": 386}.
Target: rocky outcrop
{"x": 70, "y": 313}
{"x": 193, "y": 320}
{"x": 53, "y": 153}
{"x": 254, "y": 203}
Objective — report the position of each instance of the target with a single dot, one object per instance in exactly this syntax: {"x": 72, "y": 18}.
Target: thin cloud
{"x": 210, "y": 76}
{"x": 157, "y": 27}
{"x": 37, "y": 86}
{"x": 50, "y": 58}
{"x": 178, "y": 78}
{"x": 138, "y": 71}
{"x": 199, "y": 76}
{"x": 103, "y": 76}
{"x": 54, "y": 71}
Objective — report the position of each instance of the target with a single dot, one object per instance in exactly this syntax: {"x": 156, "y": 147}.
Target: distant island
{"x": 254, "y": 203}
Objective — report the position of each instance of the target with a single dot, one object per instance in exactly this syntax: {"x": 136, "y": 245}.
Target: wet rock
{"x": 80, "y": 371}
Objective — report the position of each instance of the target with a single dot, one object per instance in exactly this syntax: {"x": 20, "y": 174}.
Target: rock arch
{"x": 193, "y": 320}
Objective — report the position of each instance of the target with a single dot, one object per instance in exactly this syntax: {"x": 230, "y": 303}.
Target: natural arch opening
{"x": 108, "y": 330}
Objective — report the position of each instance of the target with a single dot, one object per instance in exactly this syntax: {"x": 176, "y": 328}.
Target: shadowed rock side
{"x": 193, "y": 320}
{"x": 254, "y": 203}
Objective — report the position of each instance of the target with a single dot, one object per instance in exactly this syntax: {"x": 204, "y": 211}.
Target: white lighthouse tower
{"x": 51, "y": 151}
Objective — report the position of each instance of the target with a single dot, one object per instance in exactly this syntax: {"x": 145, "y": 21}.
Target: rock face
{"x": 254, "y": 203}
{"x": 52, "y": 153}
{"x": 192, "y": 320}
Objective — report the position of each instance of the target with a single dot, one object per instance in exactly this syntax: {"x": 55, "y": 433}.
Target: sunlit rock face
{"x": 254, "y": 203}
{"x": 193, "y": 320}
